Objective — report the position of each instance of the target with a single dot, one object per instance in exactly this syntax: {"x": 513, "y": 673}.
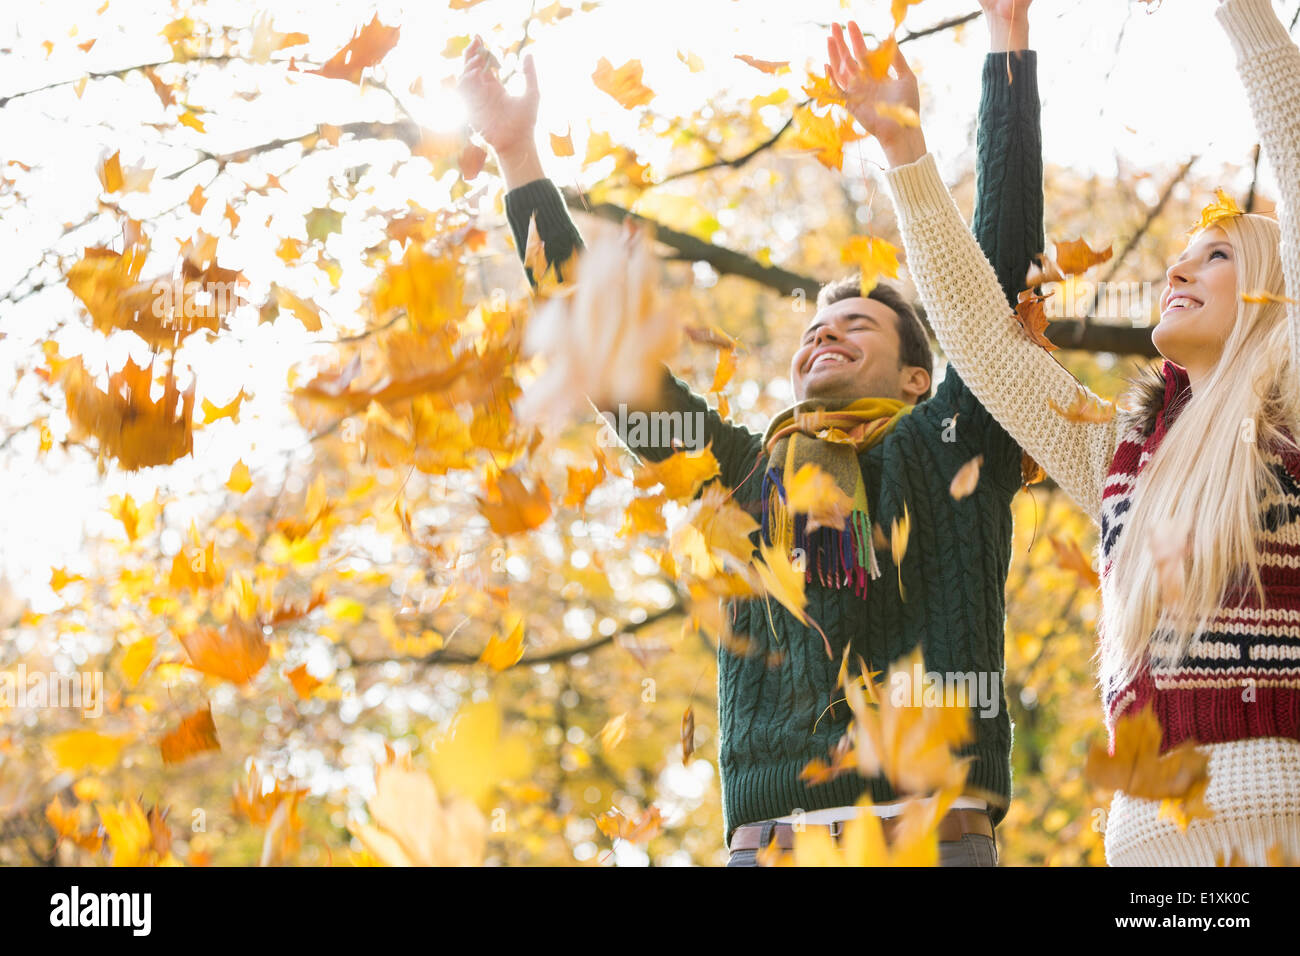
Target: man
{"x": 868, "y": 359}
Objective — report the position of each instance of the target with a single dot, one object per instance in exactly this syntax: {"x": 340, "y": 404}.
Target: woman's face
{"x": 1199, "y": 305}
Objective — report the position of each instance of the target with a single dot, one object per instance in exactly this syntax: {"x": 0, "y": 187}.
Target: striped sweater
{"x": 1242, "y": 677}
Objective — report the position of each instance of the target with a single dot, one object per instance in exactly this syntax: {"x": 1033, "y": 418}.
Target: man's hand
{"x": 1008, "y": 22}
{"x": 505, "y": 122}
{"x": 863, "y": 93}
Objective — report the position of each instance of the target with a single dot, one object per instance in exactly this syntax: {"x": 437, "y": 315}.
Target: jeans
{"x": 973, "y": 849}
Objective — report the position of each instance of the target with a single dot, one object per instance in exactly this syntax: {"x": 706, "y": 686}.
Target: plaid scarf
{"x": 829, "y": 435}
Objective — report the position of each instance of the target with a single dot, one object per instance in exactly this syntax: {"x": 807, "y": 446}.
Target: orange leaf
{"x": 1136, "y": 765}
{"x": 236, "y": 653}
{"x": 562, "y": 145}
{"x": 367, "y": 47}
{"x": 624, "y": 84}
{"x": 196, "y": 734}
{"x": 1033, "y": 318}
{"x": 1086, "y": 407}
{"x": 1076, "y": 257}
{"x": 681, "y": 473}
{"x": 303, "y": 683}
{"x": 617, "y": 826}
{"x": 765, "y": 66}
{"x": 511, "y": 508}
{"x": 1070, "y": 557}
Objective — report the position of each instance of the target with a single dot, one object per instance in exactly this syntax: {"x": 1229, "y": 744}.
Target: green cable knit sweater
{"x": 955, "y": 568}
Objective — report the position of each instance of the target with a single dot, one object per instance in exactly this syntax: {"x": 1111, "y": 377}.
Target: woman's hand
{"x": 1008, "y": 22}
{"x": 505, "y": 122}
{"x": 879, "y": 104}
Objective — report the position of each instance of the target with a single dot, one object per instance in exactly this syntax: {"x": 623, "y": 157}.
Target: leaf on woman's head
{"x": 1223, "y": 207}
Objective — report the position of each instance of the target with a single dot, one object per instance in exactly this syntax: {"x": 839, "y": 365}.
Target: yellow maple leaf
{"x": 79, "y": 749}
{"x": 875, "y": 257}
{"x": 909, "y": 733}
{"x": 473, "y": 756}
{"x": 1223, "y": 207}
{"x": 900, "y": 530}
{"x": 412, "y": 825}
{"x": 783, "y": 581}
{"x": 814, "y": 493}
{"x": 623, "y": 84}
{"x": 823, "y": 135}
{"x": 681, "y": 473}
{"x": 239, "y": 481}
{"x": 502, "y": 653}
{"x": 715, "y": 534}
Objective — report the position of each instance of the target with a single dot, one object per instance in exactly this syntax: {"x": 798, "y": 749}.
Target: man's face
{"x": 850, "y": 350}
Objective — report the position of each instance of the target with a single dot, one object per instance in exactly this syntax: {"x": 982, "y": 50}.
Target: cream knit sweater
{"x": 1254, "y": 786}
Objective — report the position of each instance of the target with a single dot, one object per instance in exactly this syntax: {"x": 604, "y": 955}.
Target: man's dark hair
{"x": 913, "y": 343}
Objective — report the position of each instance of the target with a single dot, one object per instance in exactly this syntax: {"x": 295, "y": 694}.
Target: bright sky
{"x": 1166, "y": 91}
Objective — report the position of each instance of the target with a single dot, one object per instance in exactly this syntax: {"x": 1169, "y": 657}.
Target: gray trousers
{"x": 973, "y": 849}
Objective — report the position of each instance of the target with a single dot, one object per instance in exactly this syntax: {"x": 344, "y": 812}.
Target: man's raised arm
{"x": 507, "y": 123}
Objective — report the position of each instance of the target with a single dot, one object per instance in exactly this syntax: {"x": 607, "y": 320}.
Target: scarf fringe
{"x": 833, "y": 558}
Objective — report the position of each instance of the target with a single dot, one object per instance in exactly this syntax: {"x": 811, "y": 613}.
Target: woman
{"x": 1196, "y": 489}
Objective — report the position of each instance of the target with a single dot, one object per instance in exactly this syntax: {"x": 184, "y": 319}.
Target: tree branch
{"x": 1081, "y": 336}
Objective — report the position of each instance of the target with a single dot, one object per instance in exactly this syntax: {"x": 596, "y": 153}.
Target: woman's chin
{"x": 1168, "y": 342}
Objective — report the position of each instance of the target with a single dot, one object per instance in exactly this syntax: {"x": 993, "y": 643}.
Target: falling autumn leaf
{"x": 368, "y": 46}
{"x": 1135, "y": 764}
{"x": 1070, "y": 557}
{"x": 1033, "y": 319}
{"x": 900, "y": 529}
{"x": 412, "y": 824}
{"x": 1262, "y": 297}
{"x": 681, "y": 473}
{"x": 612, "y": 734}
{"x": 643, "y": 827}
{"x": 688, "y": 734}
{"x": 967, "y": 477}
{"x": 874, "y": 257}
{"x": 562, "y": 145}
{"x": 502, "y": 653}
{"x": 606, "y": 343}
{"x": 814, "y": 493}
{"x": 822, "y": 135}
{"x": 1086, "y": 408}
{"x": 623, "y": 84}
{"x": 906, "y": 738}
{"x": 195, "y": 734}
{"x": 765, "y": 66}
{"x": 234, "y": 653}
{"x": 511, "y": 508}
{"x": 86, "y": 749}
{"x": 239, "y": 481}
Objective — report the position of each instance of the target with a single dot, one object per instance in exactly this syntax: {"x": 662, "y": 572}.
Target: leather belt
{"x": 953, "y": 825}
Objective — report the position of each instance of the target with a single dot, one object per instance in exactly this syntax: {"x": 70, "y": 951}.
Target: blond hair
{"x": 1207, "y": 480}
